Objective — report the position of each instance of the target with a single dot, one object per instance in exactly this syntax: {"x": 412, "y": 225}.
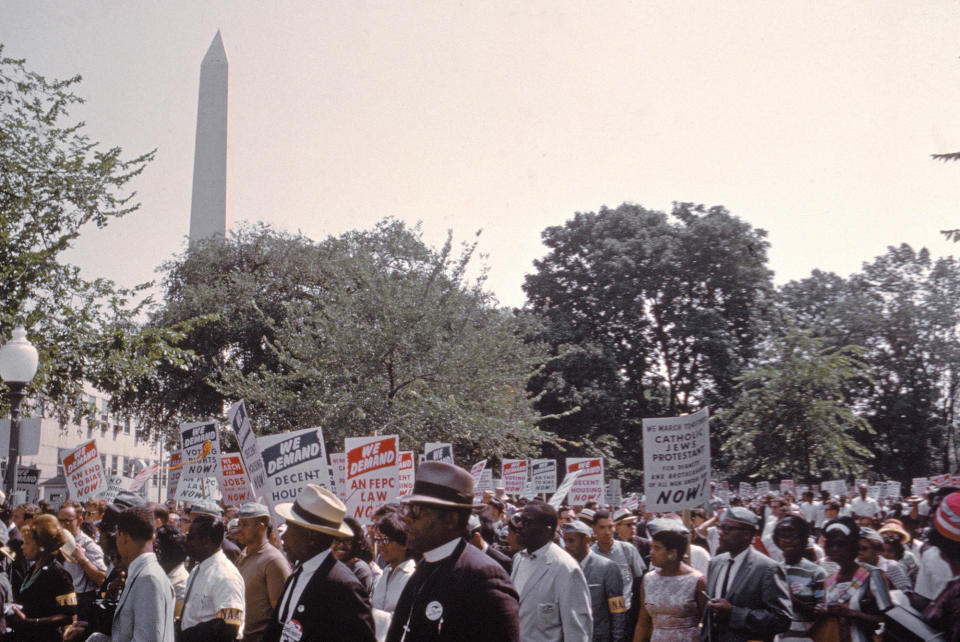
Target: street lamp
{"x": 18, "y": 364}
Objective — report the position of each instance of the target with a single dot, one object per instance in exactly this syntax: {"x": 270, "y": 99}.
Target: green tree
{"x": 646, "y": 315}
{"x": 904, "y": 308}
{"x": 370, "y": 332}
{"x": 792, "y": 418}
{"x": 54, "y": 181}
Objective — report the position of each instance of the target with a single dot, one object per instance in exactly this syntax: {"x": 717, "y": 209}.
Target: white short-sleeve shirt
{"x": 214, "y": 590}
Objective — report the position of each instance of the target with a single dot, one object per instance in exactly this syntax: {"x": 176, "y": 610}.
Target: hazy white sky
{"x": 812, "y": 120}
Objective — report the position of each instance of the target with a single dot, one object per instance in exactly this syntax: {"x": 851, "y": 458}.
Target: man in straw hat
{"x": 322, "y": 599}
{"x": 457, "y": 593}
{"x": 750, "y": 599}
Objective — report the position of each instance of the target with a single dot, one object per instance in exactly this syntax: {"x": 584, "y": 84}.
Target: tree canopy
{"x": 646, "y": 314}
{"x": 370, "y": 332}
{"x": 792, "y": 419}
{"x": 54, "y": 182}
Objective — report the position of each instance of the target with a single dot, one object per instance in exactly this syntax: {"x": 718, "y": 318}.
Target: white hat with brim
{"x": 317, "y": 509}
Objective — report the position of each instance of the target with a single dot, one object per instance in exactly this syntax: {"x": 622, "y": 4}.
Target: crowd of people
{"x": 437, "y": 565}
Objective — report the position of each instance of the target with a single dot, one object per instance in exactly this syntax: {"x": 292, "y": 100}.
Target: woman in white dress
{"x": 672, "y": 599}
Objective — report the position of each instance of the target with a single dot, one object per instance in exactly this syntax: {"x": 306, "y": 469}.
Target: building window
{"x": 114, "y": 464}
{"x": 126, "y": 425}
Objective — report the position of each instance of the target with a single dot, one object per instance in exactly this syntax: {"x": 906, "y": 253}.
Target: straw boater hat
{"x": 441, "y": 484}
{"x": 317, "y": 509}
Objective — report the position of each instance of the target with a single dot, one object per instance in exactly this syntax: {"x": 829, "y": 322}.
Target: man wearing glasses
{"x": 457, "y": 593}
{"x": 85, "y": 564}
{"x": 749, "y": 598}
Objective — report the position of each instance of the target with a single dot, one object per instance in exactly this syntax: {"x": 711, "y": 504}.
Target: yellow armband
{"x": 617, "y": 605}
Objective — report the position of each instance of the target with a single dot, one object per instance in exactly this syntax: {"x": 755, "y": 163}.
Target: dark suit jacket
{"x": 500, "y": 559}
{"x": 759, "y": 595}
{"x": 466, "y": 597}
{"x": 334, "y": 607}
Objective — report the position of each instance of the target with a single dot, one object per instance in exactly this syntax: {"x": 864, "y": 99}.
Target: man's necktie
{"x": 291, "y": 586}
{"x": 726, "y": 579}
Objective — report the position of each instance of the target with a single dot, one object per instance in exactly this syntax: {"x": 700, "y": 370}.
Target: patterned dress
{"x": 671, "y": 602}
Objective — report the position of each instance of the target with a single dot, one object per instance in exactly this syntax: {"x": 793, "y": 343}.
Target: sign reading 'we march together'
{"x": 676, "y": 461}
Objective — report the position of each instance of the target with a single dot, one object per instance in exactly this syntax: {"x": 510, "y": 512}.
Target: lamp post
{"x": 18, "y": 364}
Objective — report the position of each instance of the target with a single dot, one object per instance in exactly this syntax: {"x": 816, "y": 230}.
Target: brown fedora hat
{"x": 441, "y": 484}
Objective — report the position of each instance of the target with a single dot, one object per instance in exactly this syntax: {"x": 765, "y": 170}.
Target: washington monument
{"x": 208, "y": 207}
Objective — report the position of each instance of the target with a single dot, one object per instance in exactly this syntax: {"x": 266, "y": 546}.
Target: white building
{"x": 122, "y": 452}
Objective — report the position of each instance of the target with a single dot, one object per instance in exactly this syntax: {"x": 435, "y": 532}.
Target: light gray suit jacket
{"x": 760, "y": 598}
{"x": 145, "y": 609}
{"x": 555, "y": 600}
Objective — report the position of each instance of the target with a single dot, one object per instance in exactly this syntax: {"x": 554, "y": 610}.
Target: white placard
{"x": 436, "y": 451}
{"x": 338, "y": 465}
{"x": 84, "y": 472}
{"x": 235, "y": 485}
{"x": 173, "y": 473}
{"x": 676, "y": 461}
{"x": 116, "y": 483}
{"x": 253, "y": 466}
{"x": 200, "y": 442}
{"x": 476, "y": 471}
{"x": 514, "y": 473}
{"x": 405, "y": 473}
{"x": 372, "y": 471}
{"x": 292, "y": 460}
{"x": 564, "y": 489}
{"x": 613, "y": 495}
{"x": 543, "y": 473}
{"x": 589, "y": 485}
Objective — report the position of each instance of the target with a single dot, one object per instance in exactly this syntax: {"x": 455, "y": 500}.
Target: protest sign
{"x": 173, "y": 473}
{"x": 613, "y": 495}
{"x": 514, "y": 474}
{"x": 84, "y": 471}
{"x": 371, "y": 474}
{"x": 476, "y": 471}
{"x": 486, "y": 481}
{"x": 28, "y": 480}
{"x": 564, "y": 489}
{"x": 434, "y": 451}
{"x": 194, "y": 489}
{"x": 338, "y": 465}
{"x": 763, "y": 487}
{"x": 200, "y": 442}
{"x": 141, "y": 478}
{"x": 544, "y": 475}
{"x": 875, "y": 491}
{"x": 746, "y": 490}
{"x": 919, "y": 486}
{"x": 589, "y": 485}
{"x": 529, "y": 491}
{"x": 405, "y": 473}
{"x": 116, "y": 483}
{"x": 253, "y": 466}
{"x": 292, "y": 460}
{"x": 234, "y": 484}
{"x": 786, "y": 486}
{"x": 630, "y": 503}
{"x": 676, "y": 460}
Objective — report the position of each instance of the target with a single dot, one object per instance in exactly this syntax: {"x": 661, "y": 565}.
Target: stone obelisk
{"x": 208, "y": 208}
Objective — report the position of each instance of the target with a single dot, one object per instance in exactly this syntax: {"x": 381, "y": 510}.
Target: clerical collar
{"x": 441, "y": 552}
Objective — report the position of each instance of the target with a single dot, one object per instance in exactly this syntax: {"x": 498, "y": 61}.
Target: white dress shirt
{"x": 295, "y": 588}
{"x": 725, "y": 568}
